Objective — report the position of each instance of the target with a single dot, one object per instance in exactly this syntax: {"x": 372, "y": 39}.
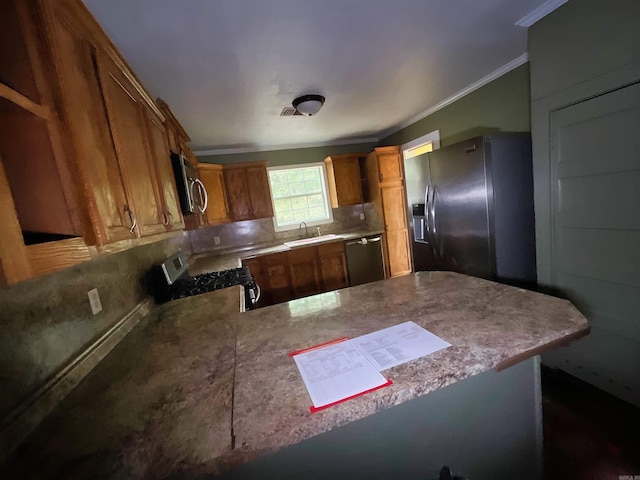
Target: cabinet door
{"x": 397, "y": 234}
{"x": 235, "y": 180}
{"x": 398, "y": 252}
{"x": 333, "y": 266}
{"x": 276, "y": 274}
{"x": 171, "y": 213}
{"x": 304, "y": 272}
{"x": 390, "y": 167}
{"x": 259, "y": 192}
{"x": 394, "y": 207}
{"x": 212, "y": 178}
{"x": 86, "y": 121}
{"x": 345, "y": 186}
{"x": 126, "y": 119}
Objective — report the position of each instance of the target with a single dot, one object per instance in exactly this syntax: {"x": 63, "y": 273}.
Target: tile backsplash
{"x": 261, "y": 232}
{"x": 47, "y": 321}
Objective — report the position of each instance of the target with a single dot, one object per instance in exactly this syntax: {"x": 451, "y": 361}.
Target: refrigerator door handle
{"x": 434, "y": 230}
{"x": 426, "y": 213}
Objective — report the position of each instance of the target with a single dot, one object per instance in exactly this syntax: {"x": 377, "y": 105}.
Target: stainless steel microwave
{"x": 191, "y": 191}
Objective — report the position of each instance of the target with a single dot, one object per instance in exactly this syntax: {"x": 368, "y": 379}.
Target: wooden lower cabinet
{"x": 277, "y": 278}
{"x": 333, "y": 266}
{"x": 305, "y": 278}
{"x": 299, "y": 273}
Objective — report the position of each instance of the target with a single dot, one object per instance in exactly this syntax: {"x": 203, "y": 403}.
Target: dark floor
{"x": 588, "y": 434}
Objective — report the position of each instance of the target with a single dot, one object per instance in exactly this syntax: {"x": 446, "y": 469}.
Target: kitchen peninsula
{"x": 200, "y": 389}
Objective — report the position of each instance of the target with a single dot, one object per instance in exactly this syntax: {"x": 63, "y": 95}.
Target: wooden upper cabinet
{"x": 159, "y": 148}
{"x": 126, "y": 119}
{"x": 235, "y": 180}
{"x": 343, "y": 176}
{"x": 87, "y": 128}
{"x": 333, "y": 266}
{"x": 248, "y": 191}
{"x": 390, "y": 166}
{"x": 259, "y": 192}
{"x": 212, "y": 177}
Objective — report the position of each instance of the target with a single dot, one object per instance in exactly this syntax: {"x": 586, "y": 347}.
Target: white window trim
{"x": 325, "y": 189}
{"x": 432, "y": 137}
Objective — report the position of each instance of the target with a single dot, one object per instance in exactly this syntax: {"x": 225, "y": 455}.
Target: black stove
{"x": 177, "y": 284}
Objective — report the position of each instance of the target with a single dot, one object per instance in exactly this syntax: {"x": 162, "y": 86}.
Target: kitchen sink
{"x": 312, "y": 240}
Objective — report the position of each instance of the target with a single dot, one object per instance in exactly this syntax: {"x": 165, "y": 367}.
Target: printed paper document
{"x": 398, "y": 344}
{"x": 335, "y": 372}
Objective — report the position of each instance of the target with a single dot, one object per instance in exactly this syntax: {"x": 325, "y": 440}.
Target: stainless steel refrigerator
{"x": 471, "y": 209}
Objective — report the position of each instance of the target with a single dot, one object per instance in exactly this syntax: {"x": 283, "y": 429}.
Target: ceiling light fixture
{"x": 308, "y": 104}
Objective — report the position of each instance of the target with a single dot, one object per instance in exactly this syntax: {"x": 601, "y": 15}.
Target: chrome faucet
{"x": 306, "y": 229}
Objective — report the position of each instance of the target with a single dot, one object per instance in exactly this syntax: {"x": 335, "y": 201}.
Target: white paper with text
{"x": 335, "y": 372}
{"x": 398, "y": 344}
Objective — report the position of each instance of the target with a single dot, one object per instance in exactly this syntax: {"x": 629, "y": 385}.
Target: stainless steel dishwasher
{"x": 364, "y": 260}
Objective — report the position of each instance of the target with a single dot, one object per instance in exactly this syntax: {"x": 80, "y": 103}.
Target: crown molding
{"x": 542, "y": 11}
{"x": 506, "y": 68}
{"x": 231, "y": 151}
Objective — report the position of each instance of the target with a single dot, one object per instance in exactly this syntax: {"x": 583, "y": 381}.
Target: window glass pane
{"x": 295, "y": 175}
{"x": 296, "y": 188}
{"x": 312, "y": 186}
{"x": 299, "y": 202}
{"x": 317, "y": 213}
{"x": 282, "y": 204}
{"x": 280, "y": 191}
{"x": 312, "y": 174}
{"x": 278, "y": 177}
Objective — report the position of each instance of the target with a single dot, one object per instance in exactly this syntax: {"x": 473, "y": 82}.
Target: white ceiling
{"x": 228, "y": 67}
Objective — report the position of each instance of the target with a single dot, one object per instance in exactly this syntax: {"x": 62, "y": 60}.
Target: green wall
{"x": 287, "y": 157}
{"x": 502, "y": 105}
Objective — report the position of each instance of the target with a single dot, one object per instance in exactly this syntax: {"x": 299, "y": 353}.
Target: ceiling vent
{"x": 289, "y": 112}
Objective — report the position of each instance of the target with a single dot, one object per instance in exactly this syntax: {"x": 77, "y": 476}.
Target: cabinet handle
{"x": 381, "y": 177}
{"x": 165, "y": 219}
{"x": 171, "y": 222}
{"x": 132, "y": 217}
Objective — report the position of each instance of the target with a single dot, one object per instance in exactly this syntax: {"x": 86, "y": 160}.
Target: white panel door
{"x": 595, "y": 164}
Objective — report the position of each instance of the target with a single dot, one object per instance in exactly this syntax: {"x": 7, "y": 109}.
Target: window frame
{"x": 325, "y": 193}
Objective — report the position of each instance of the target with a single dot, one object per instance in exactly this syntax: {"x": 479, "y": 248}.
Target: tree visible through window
{"x": 299, "y": 195}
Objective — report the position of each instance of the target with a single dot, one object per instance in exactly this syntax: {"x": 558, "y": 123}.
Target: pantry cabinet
{"x": 388, "y": 195}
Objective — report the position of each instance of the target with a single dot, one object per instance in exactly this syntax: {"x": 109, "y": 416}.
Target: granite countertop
{"x": 489, "y": 325}
{"x": 232, "y": 258}
{"x": 198, "y": 387}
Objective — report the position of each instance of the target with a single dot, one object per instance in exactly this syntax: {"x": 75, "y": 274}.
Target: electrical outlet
{"x": 216, "y": 240}
{"x": 362, "y": 216}
{"x": 94, "y": 301}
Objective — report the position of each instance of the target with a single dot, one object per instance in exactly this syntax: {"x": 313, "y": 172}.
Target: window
{"x": 424, "y": 144}
{"x": 299, "y": 195}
